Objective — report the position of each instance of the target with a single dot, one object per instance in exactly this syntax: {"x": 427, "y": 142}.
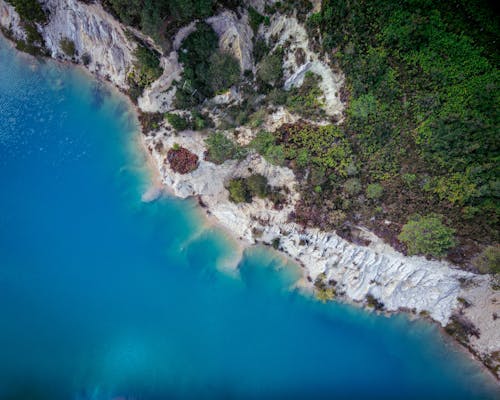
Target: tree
{"x": 269, "y": 69}
{"x": 224, "y": 71}
{"x": 352, "y": 186}
{"x": 427, "y": 235}
{"x": 257, "y": 185}
{"x": 374, "y": 191}
{"x": 238, "y": 192}
{"x": 488, "y": 261}
{"x": 220, "y": 148}
{"x": 178, "y": 122}
{"x": 67, "y": 46}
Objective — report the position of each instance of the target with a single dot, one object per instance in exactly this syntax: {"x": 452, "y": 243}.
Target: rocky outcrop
{"x": 10, "y": 20}
{"x": 94, "y": 32}
{"x": 288, "y": 33}
{"x": 235, "y": 36}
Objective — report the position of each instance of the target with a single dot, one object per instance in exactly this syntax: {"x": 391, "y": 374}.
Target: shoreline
{"x": 210, "y": 221}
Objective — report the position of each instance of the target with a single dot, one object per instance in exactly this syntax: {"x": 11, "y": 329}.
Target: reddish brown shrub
{"x": 181, "y": 160}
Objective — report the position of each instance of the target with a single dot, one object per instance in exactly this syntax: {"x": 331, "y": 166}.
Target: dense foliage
{"x": 157, "y": 17}
{"x": 242, "y": 190}
{"x": 29, "y": 10}
{"x": 220, "y": 148}
{"x": 423, "y": 117}
{"x": 147, "y": 70}
{"x": 427, "y": 235}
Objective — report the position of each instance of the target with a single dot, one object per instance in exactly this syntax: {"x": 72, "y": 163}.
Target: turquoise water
{"x": 103, "y": 296}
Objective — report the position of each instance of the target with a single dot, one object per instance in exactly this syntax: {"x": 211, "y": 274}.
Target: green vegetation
{"x": 269, "y": 69}
{"x": 257, "y": 185}
{"x": 224, "y": 72}
{"x": 67, "y": 46}
{"x": 147, "y": 70}
{"x": 488, "y": 261}
{"x": 195, "y": 54}
{"x": 352, "y": 186}
{"x": 324, "y": 292}
{"x": 178, "y": 122}
{"x": 238, "y": 191}
{"x": 422, "y": 82}
{"x": 264, "y": 144}
{"x": 220, "y": 148}
{"x": 159, "y": 18}
{"x": 255, "y": 19}
{"x": 29, "y": 10}
{"x": 306, "y": 99}
{"x": 427, "y": 235}
{"x": 324, "y": 146}
{"x": 245, "y": 189}
{"x": 374, "y": 191}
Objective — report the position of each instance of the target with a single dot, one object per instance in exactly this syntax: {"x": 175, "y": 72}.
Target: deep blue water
{"x": 102, "y": 295}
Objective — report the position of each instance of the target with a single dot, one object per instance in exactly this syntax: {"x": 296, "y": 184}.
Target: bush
{"x": 488, "y": 261}
{"x": 306, "y": 99}
{"x": 220, "y": 148}
{"x": 195, "y": 54}
{"x": 29, "y": 10}
{"x": 260, "y": 49}
{"x": 238, "y": 192}
{"x": 374, "y": 191}
{"x": 67, "y": 46}
{"x": 181, "y": 160}
{"x": 178, "y": 123}
{"x": 352, "y": 186}
{"x": 255, "y": 19}
{"x": 427, "y": 235}
{"x": 270, "y": 68}
{"x": 86, "y": 59}
{"x": 224, "y": 71}
{"x": 148, "y": 62}
{"x": 257, "y": 185}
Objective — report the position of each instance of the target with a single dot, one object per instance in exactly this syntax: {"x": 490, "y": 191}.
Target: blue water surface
{"x": 103, "y": 296}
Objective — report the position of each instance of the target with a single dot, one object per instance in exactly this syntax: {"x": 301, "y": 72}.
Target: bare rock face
{"x": 93, "y": 32}
{"x": 292, "y": 36}
{"x": 235, "y": 36}
{"x": 10, "y": 20}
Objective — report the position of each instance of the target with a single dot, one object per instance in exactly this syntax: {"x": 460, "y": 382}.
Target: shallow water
{"x": 103, "y": 296}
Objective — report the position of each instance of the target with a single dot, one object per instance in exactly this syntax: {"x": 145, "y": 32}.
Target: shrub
{"x": 178, "y": 122}
{"x": 238, "y": 191}
{"x": 150, "y": 121}
{"x": 29, "y": 10}
{"x": 352, "y": 186}
{"x": 270, "y": 69}
{"x": 255, "y": 19}
{"x": 224, "y": 71}
{"x": 181, "y": 160}
{"x": 67, "y": 46}
{"x": 220, "y": 148}
{"x": 374, "y": 191}
{"x": 195, "y": 54}
{"x": 260, "y": 49}
{"x": 488, "y": 261}
{"x": 86, "y": 59}
{"x": 306, "y": 99}
{"x": 148, "y": 65}
{"x": 326, "y": 146}
{"x": 427, "y": 235}
{"x": 257, "y": 185}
